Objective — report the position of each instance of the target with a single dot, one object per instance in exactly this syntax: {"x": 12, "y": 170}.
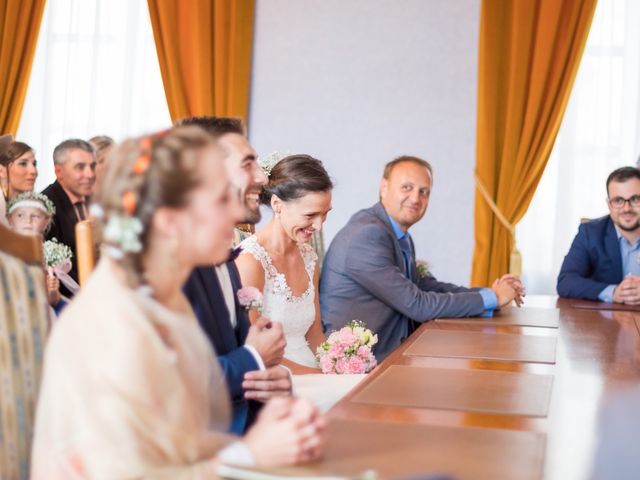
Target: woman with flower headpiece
{"x": 131, "y": 387}
{"x": 279, "y": 261}
{"x": 30, "y": 213}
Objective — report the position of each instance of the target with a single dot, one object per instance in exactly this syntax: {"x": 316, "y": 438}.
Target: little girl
{"x": 30, "y": 213}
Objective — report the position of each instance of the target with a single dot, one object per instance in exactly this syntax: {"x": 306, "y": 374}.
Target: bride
{"x": 280, "y": 262}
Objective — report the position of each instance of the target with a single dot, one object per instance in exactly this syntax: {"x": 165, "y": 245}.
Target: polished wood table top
{"x": 432, "y": 411}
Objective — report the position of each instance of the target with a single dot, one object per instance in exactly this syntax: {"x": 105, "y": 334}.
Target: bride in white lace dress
{"x": 280, "y": 262}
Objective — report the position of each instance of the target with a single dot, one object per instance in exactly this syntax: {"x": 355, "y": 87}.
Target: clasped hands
{"x": 268, "y": 339}
{"x": 508, "y": 288}
{"x": 628, "y": 291}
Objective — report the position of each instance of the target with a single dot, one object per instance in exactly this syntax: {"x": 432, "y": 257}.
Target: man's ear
{"x": 384, "y": 186}
{"x": 57, "y": 169}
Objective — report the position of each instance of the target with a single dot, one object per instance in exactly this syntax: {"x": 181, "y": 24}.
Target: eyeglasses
{"x": 618, "y": 202}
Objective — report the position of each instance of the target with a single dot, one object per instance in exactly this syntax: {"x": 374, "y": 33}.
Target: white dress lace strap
{"x": 276, "y": 281}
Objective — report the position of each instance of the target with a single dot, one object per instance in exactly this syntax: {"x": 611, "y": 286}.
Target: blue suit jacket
{"x": 593, "y": 262}
{"x": 364, "y": 277}
{"x": 205, "y": 295}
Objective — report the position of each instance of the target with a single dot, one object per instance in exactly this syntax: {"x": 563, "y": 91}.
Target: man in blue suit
{"x": 249, "y": 354}
{"x": 603, "y": 262}
{"x": 370, "y": 272}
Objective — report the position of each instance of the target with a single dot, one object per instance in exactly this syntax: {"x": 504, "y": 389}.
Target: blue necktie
{"x": 405, "y": 245}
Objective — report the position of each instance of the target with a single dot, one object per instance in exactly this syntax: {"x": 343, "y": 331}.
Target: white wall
{"x": 357, "y": 83}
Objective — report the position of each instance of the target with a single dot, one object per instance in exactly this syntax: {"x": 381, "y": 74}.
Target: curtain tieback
{"x": 515, "y": 258}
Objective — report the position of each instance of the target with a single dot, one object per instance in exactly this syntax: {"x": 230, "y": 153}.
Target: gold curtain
{"x": 19, "y": 28}
{"x": 204, "y": 48}
{"x": 529, "y": 56}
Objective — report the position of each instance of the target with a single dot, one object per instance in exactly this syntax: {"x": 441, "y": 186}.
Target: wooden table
{"x": 595, "y": 352}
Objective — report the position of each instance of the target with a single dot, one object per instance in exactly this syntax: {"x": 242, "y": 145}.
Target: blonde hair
{"x": 101, "y": 142}
{"x": 145, "y": 174}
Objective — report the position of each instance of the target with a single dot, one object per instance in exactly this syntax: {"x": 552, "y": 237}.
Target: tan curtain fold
{"x": 204, "y": 48}
{"x": 529, "y": 55}
{"x": 19, "y": 27}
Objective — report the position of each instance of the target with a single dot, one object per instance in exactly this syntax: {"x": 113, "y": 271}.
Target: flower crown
{"x": 270, "y": 161}
{"x": 32, "y": 199}
{"x": 123, "y": 230}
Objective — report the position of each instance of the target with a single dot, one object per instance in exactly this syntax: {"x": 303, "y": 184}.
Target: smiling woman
{"x": 18, "y": 169}
{"x": 280, "y": 260}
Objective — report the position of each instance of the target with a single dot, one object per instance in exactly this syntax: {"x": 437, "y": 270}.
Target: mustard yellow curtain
{"x": 19, "y": 28}
{"x": 529, "y": 56}
{"x": 204, "y": 48}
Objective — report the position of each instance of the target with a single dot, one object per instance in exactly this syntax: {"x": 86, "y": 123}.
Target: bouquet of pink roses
{"x": 348, "y": 350}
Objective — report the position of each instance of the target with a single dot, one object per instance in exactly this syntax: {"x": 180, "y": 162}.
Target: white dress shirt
{"x": 222, "y": 271}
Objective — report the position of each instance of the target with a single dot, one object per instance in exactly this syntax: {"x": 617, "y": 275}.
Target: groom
{"x": 249, "y": 354}
{"x": 370, "y": 271}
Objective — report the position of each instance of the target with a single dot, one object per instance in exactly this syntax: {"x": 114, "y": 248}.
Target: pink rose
{"x": 336, "y": 350}
{"x": 347, "y": 336}
{"x": 356, "y": 365}
{"x": 326, "y": 364}
{"x": 342, "y": 365}
{"x": 364, "y": 352}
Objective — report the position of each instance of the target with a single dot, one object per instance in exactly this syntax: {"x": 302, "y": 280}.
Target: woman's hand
{"x": 288, "y": 431}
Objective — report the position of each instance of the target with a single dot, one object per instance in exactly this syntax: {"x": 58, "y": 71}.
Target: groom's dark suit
{"x": 205, "y": 295}
{"x": 365, "y": 277}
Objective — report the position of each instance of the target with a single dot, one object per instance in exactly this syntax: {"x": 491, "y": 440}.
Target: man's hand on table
{"x": 264, "y": 384}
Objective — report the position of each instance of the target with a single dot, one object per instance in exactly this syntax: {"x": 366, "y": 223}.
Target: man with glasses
{"x": 603, "y": 262}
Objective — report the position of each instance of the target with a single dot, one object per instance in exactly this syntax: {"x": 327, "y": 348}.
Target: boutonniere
{"x": 250, "y": 297}
{"x": 422, "y": 266}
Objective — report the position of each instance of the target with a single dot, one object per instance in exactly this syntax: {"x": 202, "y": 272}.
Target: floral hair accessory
{"x": 124, "y": 231}
{"x": 267, "y": 163}
{"x": 129, "y": 202}
{"x": 34, "y": 200}
{"x": 142, "y": 163}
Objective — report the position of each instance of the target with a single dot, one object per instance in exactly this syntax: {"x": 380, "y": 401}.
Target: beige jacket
{"x": 130, "y": 390}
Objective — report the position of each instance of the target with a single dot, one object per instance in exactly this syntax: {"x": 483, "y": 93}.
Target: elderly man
{"x": 603, "y": 262}
{"x": 249, "y": 354}
{"x": 75, "y": 168}
{"x": 370, "y": 271}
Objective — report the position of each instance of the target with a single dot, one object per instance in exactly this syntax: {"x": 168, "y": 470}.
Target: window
{"x": 95, "y": 72}
{"x": 600, "y": 132}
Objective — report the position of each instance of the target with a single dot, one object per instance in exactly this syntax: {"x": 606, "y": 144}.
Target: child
{"x": 30, "y": 213}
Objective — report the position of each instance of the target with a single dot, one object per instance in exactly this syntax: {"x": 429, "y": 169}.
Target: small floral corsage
{"x": 250, "y": 297}
{"x": 422, "y": 266}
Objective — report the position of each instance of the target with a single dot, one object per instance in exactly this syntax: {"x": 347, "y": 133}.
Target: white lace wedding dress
{"x": 297, "y": 314}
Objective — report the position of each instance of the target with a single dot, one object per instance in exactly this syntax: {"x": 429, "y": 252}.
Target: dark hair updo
{"x": 295, "y": 176}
